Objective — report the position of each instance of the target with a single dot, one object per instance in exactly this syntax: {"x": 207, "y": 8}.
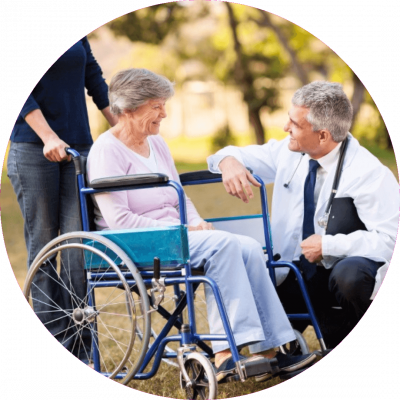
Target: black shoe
{"x": 288, "y": 364}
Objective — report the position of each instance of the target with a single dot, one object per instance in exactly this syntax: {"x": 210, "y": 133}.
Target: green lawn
{"x": 211, "y": 201}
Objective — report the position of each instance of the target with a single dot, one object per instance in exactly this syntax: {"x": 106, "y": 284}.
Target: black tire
{"x": 203, "y": 382}
{"x": 97, "y": 318}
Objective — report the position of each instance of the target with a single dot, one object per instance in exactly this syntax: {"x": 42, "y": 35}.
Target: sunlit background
{"x": 235, "y": 70}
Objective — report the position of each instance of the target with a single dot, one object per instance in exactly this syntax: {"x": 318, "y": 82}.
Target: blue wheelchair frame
{"x": 271, "y": 263}
{"x": 174, "y": 277}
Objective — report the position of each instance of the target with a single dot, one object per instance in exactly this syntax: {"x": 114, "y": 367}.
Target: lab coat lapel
{"x": 327, "y": 186}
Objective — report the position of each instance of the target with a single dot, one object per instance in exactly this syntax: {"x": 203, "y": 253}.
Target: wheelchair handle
{"x": 71, "y": 152}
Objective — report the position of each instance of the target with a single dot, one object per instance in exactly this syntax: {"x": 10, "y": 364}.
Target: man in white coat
{"x": 344, "y": 263}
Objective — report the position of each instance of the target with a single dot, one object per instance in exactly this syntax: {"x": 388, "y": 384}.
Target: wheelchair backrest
{"x": 251, "y": 225}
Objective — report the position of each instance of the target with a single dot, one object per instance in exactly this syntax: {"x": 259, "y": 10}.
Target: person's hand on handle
{"x": 54, "y": 147}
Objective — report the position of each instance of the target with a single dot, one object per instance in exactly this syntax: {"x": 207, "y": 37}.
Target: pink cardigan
{"x": 135, "y": 208}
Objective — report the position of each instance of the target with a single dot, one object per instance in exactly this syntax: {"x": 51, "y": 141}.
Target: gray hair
{"x": 329, "y": 107}
{"x": 133, "y": 87}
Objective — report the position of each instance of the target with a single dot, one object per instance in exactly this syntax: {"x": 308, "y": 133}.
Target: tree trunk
{"x": 255, "y": 121}
{"x": 296, "y": 64}
{"x": 357, "y": 98}
{"x": 245, "y": 79}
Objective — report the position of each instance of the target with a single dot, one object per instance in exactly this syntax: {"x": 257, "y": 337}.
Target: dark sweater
{"x": 60, "y": 95}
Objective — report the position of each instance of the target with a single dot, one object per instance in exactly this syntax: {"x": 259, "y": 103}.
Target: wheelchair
{"x": 127, "y": 275}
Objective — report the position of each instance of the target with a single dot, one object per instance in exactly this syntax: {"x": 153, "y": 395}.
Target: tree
{"x": 245, "y": 47}
{"x": 164, "y": 25}
{"x": 246, "y": 79}
{"x": 302, "y": 69}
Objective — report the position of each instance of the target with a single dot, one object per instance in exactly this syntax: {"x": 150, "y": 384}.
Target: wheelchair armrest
{"x": 198, "y": 176}
{"x": 128, "y": 180}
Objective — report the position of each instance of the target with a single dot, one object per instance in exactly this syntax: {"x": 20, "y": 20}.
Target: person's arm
{"x": 377, "y": 204}
{"x": 231, "y": 162}
{"x": 114, "y": 207}
{"x": 237, "y": 178}
{"x": 54, "y": 147}
{"x": 94, "y": 81}
{"x": 105, "y": 160}
{"x": 111, "y": 118}
{"x": 96, "y": 85}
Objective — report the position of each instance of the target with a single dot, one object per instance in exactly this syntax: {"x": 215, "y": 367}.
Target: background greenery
{"x": 263, "y": 57}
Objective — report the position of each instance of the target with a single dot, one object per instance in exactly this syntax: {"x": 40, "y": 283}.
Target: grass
{"x": 210, "y": 202}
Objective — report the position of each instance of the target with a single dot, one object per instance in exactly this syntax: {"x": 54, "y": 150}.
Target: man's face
{"x": 302, "y": 137}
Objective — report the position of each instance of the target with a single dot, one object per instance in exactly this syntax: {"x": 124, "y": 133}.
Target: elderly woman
{"x": 236, "y": 263}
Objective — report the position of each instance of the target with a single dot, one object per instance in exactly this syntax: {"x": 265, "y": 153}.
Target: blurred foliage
{"x": 151, "y": 24}
{"x": 370, "y": 127}
{"x": 257, "y": 52}
{"x": 222, "y": 138}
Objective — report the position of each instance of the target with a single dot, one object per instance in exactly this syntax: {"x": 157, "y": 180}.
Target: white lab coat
{"x": 372, "y": 186}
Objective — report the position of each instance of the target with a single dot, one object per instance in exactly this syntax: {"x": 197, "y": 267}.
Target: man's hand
{"x": 236, "y": 178}
{"x": 312, "y": 248}
{"x": 203, "y": 226}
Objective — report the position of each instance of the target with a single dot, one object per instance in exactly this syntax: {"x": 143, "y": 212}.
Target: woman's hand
{"x": 203, "y": 226}
{"x": 54, "y": 147}
{"x": 54, "y": 150}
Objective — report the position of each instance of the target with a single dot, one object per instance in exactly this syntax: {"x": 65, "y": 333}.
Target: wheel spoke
{"x": 56, "y": 305}
{"x": 116, "y": 319}
{"x": 77, "y": 300}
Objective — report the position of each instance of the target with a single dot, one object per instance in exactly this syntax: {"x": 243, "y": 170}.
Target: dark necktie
{"x": 308, "y": 268}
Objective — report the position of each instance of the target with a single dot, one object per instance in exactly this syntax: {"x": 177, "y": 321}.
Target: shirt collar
{"x": 328, "y": 161}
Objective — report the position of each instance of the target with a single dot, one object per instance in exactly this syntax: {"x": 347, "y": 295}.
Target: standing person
{"x": 344, "y": 262}
{"x": 43, "y": 177}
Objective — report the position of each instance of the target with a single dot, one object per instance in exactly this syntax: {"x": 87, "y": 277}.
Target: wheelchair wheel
{"x": 296, "y": 347}
{"x": 77, "y": 288}
{"x": 203, "y": 382}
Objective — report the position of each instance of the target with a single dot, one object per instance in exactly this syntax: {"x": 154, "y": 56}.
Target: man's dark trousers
{"x": 348, "y": 285}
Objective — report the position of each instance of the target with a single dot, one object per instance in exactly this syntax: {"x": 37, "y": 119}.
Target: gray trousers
{"x": 237, "y": 264}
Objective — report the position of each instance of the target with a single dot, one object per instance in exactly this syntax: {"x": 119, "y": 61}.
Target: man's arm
{"x": 236, "y": 178}
{"x": 233, "y": 162}
{"x": 377, "y": 204}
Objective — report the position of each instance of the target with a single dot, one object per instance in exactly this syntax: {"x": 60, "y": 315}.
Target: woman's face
{"x": 147, "y": 118}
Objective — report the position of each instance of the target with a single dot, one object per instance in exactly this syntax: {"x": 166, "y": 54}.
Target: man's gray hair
{"x": 133, "y": 87}
{"x": 329, "y": 107}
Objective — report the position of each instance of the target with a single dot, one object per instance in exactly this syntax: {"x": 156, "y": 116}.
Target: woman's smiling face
{"x": 147, "y": 118}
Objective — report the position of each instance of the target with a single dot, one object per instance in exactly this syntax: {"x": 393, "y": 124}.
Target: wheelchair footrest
{"x": 255, "y": 368}
{"x": 260, "y": 367}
